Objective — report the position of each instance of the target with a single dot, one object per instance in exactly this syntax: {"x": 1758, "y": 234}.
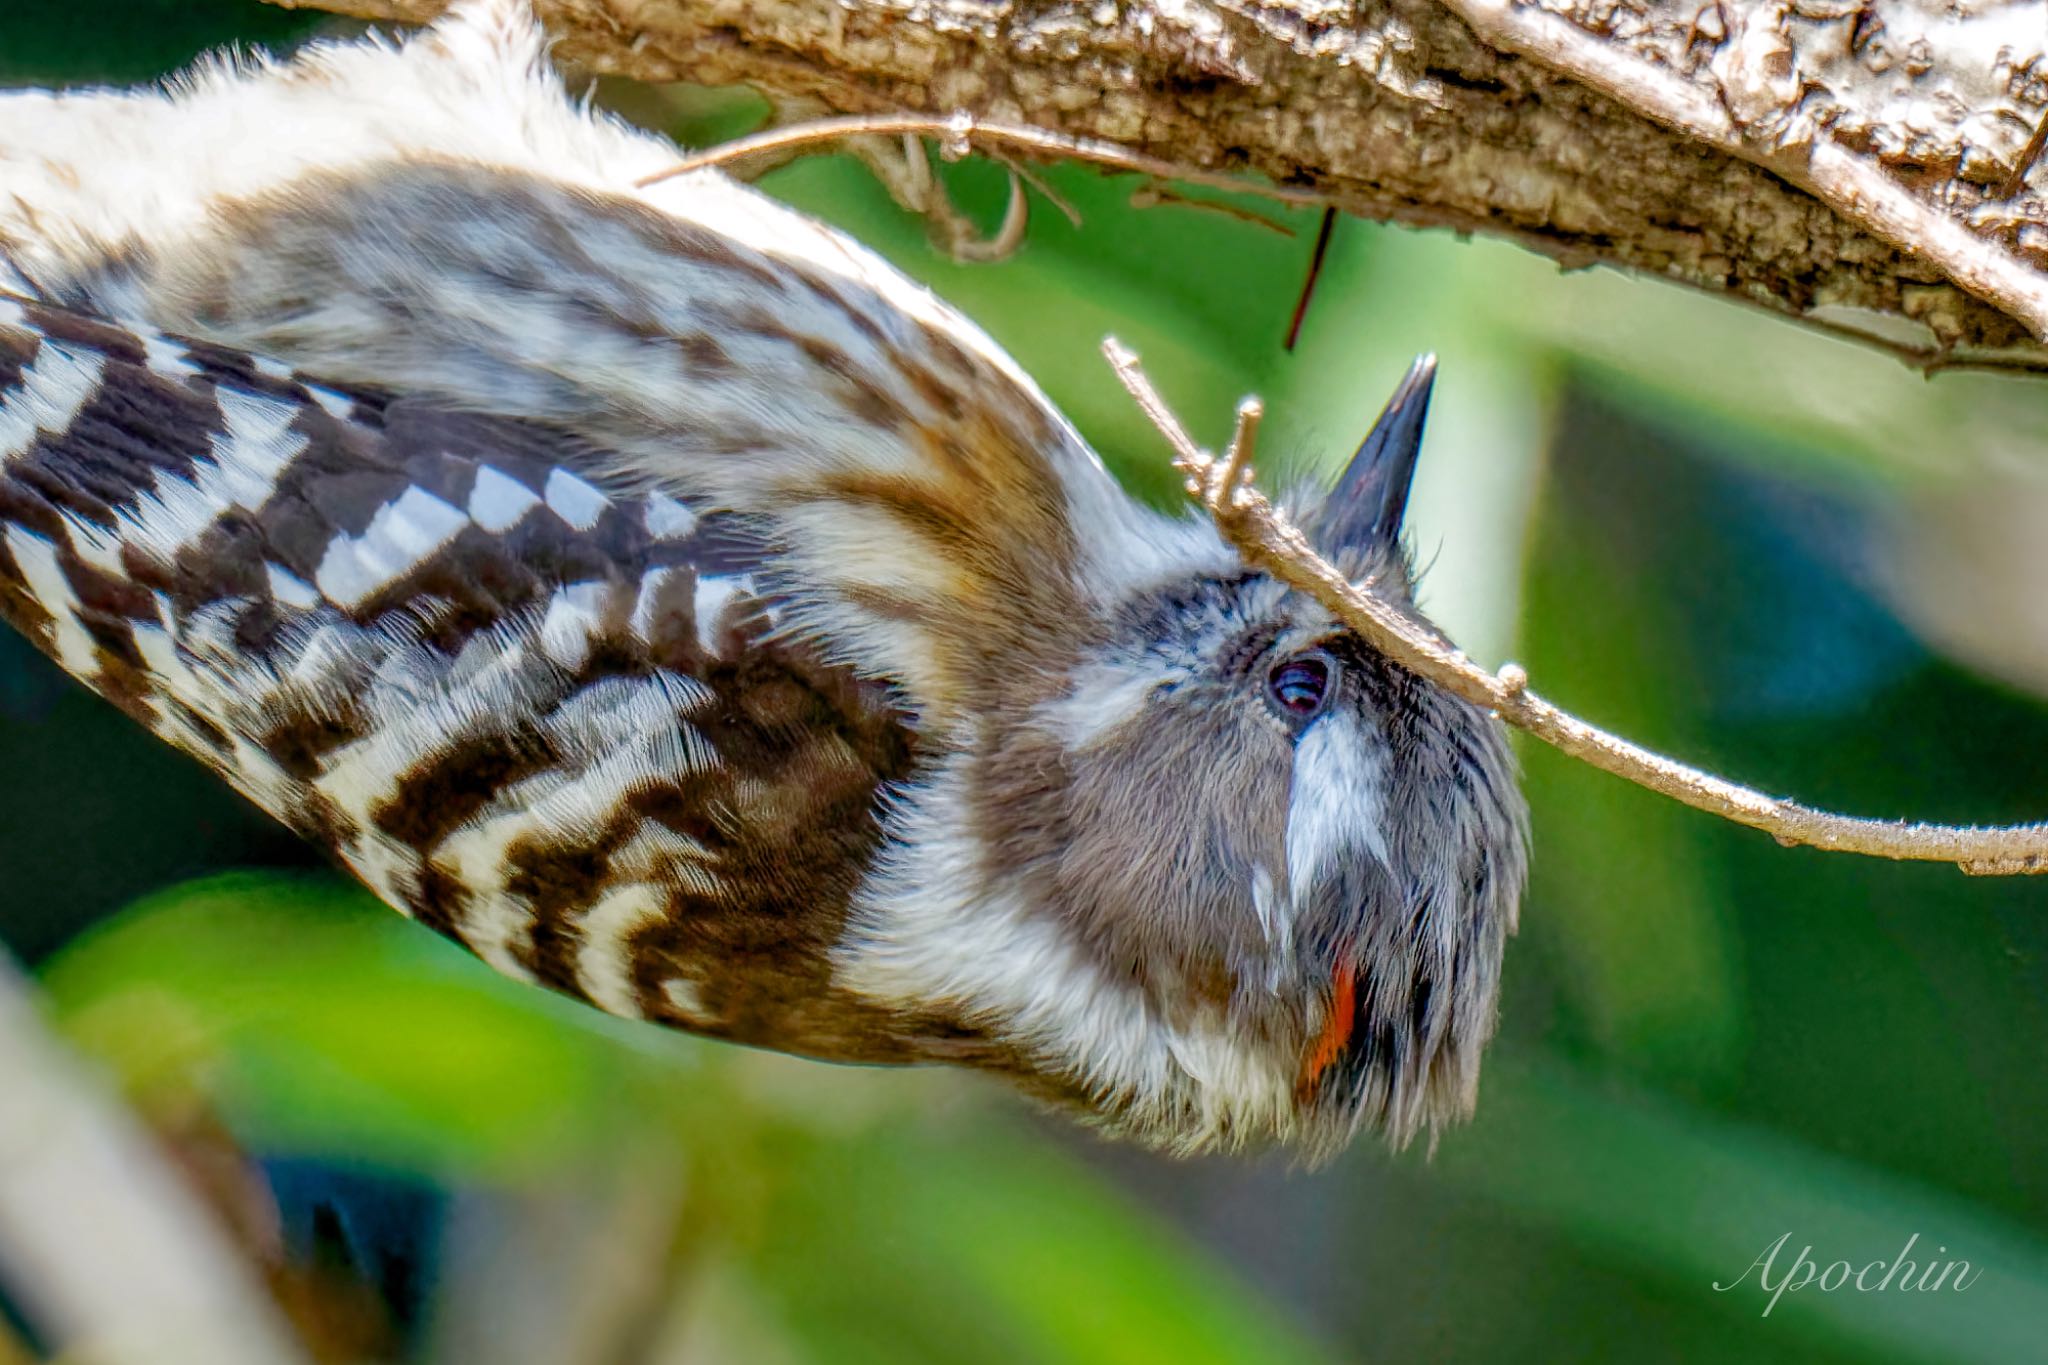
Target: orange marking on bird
{"x": 1337, "y": 1026}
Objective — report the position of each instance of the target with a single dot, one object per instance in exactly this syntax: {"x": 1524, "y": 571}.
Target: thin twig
{"x": 1263, "y": 535}
{"x": 1044, "y": 188}
{"x": 1666, "y": 97}
{"x": 1010, "y": 235}
{"x": 101, "y": 1244}
{"x": 1237, "y": 460}
{"x": 957, "y": 132}
{"x": 1324, "y": 231}
{"x": 1157, "y": 195}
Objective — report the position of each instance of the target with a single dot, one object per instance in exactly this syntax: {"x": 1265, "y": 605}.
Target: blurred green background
{"x": 1784, "y": 557}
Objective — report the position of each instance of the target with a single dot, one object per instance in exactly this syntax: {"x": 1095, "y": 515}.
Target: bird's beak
{"x": 1365, "y": 507}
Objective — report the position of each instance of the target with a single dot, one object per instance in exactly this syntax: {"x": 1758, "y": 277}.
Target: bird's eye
{"x": 1300, "y": 685}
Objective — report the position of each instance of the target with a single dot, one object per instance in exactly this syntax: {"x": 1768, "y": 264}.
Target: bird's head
{"x": 1235, "y": 876}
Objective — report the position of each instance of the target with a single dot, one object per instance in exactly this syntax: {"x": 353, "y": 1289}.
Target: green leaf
{"x": 326, "y": 1023}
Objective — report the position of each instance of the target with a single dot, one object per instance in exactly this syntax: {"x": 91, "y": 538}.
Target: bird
{"x": 657, "y": 594}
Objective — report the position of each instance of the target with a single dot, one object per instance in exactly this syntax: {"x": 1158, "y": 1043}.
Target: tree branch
{"x": 1770, "y": 129}
{"x": 1262, "y": 534}
{"x": 1658, "y": 136}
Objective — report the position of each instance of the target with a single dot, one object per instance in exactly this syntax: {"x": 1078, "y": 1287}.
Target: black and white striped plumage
{"x": 658, "y": 595}
{"x": 424, "y": 639}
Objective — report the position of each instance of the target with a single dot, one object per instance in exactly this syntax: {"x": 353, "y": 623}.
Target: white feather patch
{"x": 166, "y": 357}
{"x": 603, "y": 964}
{"x": 499, "y": 502}
{"x": 289, "y": 589}
{"x": 668, "y": 519}
{"x": 338, "y": 405}
{"x": 248, "y": 456}
{"x": 1105, "y": 697}
{"x": 53, "y": 388}
{"x": 573, "y": 500}
{"x": 685, "y": 999}
{"x": 574, "y": 615}
{"x": 37, "y": 560}
{"x": 95, "y": 545}
{"x": 253, "y": 451}
{"x": 654, "y": 601}
{"x": 401, "y": 535}
{"x": 713, "y": 596}
{"x": 1337, "y": 801}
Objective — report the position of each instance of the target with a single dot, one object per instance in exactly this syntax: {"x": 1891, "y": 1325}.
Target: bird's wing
{"x": 551, "y": 719}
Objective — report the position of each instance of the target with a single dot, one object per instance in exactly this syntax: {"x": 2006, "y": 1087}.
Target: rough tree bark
{"x": 1874, "y": 165}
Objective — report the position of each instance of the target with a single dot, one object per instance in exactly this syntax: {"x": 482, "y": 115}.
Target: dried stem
{"x": 1267, "y": 540}
{"x": 105, "y": 1249}
{"x": 959, "y": 131}
{"x": 1237, "y": 461}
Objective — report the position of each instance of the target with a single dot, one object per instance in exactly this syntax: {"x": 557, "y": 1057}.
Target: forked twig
{"x": 958, "y": 132}
{"x": 1262, "y": 533}
{"x": 1237, "y": 460}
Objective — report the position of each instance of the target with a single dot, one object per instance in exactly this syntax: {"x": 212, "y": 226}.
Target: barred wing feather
{"x": 549, "y": 718}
